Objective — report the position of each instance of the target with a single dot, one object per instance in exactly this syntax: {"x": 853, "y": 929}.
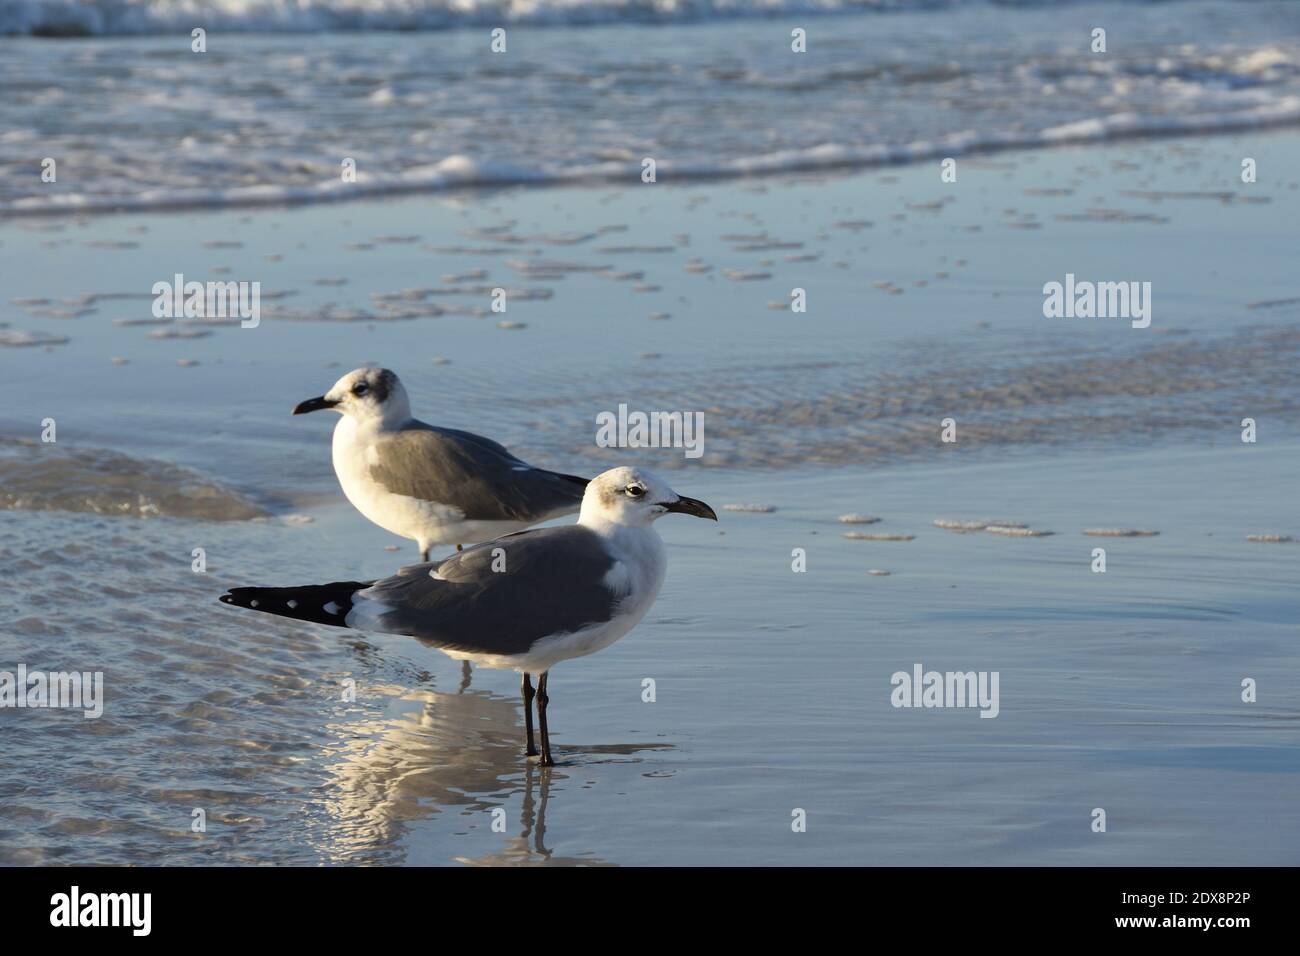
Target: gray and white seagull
{"x": 523, "y": 602}
{"x": 435, "y": 485}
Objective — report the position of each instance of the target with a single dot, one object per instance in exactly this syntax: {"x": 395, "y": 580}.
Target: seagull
{"x": 523, "y": 602}
{"x": 434, "y": 485}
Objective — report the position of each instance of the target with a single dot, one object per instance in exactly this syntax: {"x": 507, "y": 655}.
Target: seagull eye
{"x": 360, "y": 388}
{"x": 635, "y": 491}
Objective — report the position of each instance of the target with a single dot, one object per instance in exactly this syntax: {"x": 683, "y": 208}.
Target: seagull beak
{"x": 691, "y": 506}
{"x": 313, "y": 405}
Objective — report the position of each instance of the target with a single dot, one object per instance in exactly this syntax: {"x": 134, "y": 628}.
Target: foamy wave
{"x": 122, "y": 17}
{"x": 142, "y": 124}
{"x": 463, "y": 172}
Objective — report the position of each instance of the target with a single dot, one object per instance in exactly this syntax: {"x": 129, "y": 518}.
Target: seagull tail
{"x": 319, "y": 603}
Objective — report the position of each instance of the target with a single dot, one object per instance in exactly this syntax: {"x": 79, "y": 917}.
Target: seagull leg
{"x": 424, "y": 554}
{"x": 466, "y": 675}
{"x": 527, "y": 688}
{"x": 460, "y": 547}
{"x": 546, "y": 760}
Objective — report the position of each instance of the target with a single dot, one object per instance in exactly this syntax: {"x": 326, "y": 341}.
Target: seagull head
{"x": 364, "y": 394}
{"x": 634, "y": 496}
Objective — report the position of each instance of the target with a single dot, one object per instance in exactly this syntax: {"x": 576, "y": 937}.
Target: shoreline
{"x": 1117, "y": 689}
{"x": 670, "y": 297}
{"x": 456, "y": 178}
{"x": 922, "y": 468}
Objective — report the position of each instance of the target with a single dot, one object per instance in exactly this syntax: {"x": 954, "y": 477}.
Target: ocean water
{"x": 1118, "y": 690}
{"x": 144, "y": 123}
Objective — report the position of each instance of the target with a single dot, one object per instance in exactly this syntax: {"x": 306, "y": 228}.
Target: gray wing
{"x": 471, "y": 473}
{"x": 553, "y": 583}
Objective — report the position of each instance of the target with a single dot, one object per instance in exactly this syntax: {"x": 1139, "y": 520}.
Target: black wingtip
{"x": 318, "y": 603}
{"x": 239, "y": 597}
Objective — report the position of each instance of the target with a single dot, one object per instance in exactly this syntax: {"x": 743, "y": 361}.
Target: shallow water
{"x": 864, "y": 375}
{"x": 41, "y": 476}
{"x": 1118, "y": 690}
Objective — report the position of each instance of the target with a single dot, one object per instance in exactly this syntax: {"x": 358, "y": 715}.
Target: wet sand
{"x": 1119, "y": 690}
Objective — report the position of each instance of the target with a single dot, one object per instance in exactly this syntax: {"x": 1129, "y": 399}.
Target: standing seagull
{"x": 524, "y": 602}
{"x": 435, "y": 485}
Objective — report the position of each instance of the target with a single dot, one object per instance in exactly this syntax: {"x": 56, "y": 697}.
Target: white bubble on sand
{"x": 1120, "y": 532}
{"x": 755, "y": 509}
{"x": 15, "y": 339}
{"x": 1271, "y": 538}
{"x": 1013, "y": 532}
{"x": 635, "y": 250}
{"x": 878, "y": 573}
{"x": 858, "y": 519}
{"x": 864, "y": 536}
{"x": 181, "y": 333}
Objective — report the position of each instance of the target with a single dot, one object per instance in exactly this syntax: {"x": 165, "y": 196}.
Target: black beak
{"x": 692, "y": 506}
{"x": 313, "y": 405}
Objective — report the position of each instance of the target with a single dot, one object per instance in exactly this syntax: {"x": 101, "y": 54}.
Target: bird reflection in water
{"x": 418, "y": 786}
